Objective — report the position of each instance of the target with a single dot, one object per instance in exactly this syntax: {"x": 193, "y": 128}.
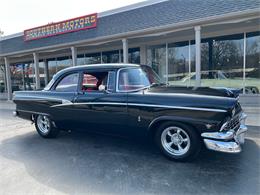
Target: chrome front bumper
{"x": 228, "y": 141}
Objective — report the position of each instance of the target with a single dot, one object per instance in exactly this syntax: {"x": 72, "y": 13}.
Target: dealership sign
{"x": 72, "y": 25}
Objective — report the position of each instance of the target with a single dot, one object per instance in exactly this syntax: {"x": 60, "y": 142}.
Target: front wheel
{"x": 45, "y": 127}
{"x": 177, "y": 141}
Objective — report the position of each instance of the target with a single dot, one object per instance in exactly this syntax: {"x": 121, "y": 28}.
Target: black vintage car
{"x": 130, "y": 100}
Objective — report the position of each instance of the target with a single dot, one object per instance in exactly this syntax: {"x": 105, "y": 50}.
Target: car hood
{"x": 200, "y": 97}
{"x": 221, "y": 91}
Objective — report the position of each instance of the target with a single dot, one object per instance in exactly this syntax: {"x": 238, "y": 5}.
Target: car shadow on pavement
{"x": 86, "y": 163}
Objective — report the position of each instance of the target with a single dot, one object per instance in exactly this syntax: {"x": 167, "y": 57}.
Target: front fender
{"x": 200, "y": 125}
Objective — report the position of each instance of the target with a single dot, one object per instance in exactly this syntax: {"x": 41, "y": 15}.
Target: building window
{"x": 42, "y": 75}
{"x": 110, "y": 56}
{"x": 52, "y": 66}
{"x": 156, "y": 58}
{"x": 94, "y": 58}
{"x": 222, "y": 62}
{"x": 252, "y": 69}
{"x": 2, "y": 79}
{"x": 22, "y": 76}
{"x": 63, "y": 62}
{"x": 179, "y": 63}
{"x": 134, "y": 55}
{"x": 81, "y": 59}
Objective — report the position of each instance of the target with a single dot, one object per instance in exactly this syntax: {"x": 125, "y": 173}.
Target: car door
{"x": 98, "y": 106}
{"x": 60, "y": 99}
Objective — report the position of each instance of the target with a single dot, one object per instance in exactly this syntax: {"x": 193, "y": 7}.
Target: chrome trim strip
{"x": 178, "y": 107}
{"x": 190, "y": 95}
{"x": 145, "y": 105}
{"x": 219, "y": 135}
{"x": 127, "y": 91}
{"x": 33, "y": 98}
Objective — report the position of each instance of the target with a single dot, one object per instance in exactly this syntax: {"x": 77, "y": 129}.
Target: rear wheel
{"x": 178, "y": 141}
{"x": 45, "y": 127}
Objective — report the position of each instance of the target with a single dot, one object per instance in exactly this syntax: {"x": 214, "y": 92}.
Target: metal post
{"x": 46, "y": 72}
{"x": 119, "y": 55}
{"x": 8, "y": 79}
{"x": 125, "y": 50}
{"x": 244, "y": 65}
{"x": 198, "y": 55}
{"x": 74, "y": 56}
{"x": 37, "y": 71}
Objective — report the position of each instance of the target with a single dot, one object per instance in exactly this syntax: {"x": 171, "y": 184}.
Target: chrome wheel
{"x": 175, "y": 140}
{"x": 43, "y": 123}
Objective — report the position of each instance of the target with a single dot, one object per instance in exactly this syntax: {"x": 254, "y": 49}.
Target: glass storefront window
{"x": 2, "y": 79}
{"x": 52, "y": 66}
{"x": 156, "y": 58}
{"x": 178, "y": 63}
{"x": 134, "y": 55}
{"x": 81, "y": 59}
{"x": 252, "y": 70}
{"x": 94, "y": 58}
{"x": 110, "y": 56}
{"x": 22, "y": 76}
{"x": 63, "y": 62}
{"x": 42, "y": 75}
{"x": 222, "y": 62}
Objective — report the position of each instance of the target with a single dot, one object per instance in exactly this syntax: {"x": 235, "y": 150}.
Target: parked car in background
{"x": 221, "y": 79}
{"x": 130, "y": 100}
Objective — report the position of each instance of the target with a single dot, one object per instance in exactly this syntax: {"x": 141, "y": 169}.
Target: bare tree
{"x": 1, "y": 32}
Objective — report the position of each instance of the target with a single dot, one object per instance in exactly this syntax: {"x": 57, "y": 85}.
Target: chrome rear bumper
{"x": 228, "y": 141}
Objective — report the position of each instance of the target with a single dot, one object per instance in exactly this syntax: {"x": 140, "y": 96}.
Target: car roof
{"x": 102, "y": 66}
{"x": 95, "y": 67}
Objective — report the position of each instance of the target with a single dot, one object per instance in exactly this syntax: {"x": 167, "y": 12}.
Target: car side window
{"x": 94, "y": 81}
{"x": 68, "y": 83}
{"x": 89, "y": 82}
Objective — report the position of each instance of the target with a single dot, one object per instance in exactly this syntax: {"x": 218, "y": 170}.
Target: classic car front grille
{"x": 234, "y": 123}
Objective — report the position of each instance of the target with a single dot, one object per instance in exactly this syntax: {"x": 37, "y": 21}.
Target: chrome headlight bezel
{"x": 225, "y": 123}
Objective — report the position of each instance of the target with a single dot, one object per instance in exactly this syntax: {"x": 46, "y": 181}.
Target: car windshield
{"x": 132, "y": 79}
{"x": 153, "y": 78}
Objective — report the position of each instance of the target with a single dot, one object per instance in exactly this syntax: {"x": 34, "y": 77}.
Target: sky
{"x": 18, "y": 15}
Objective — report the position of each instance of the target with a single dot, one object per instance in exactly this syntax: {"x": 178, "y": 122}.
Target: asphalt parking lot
{"x": 77, "y": 163}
